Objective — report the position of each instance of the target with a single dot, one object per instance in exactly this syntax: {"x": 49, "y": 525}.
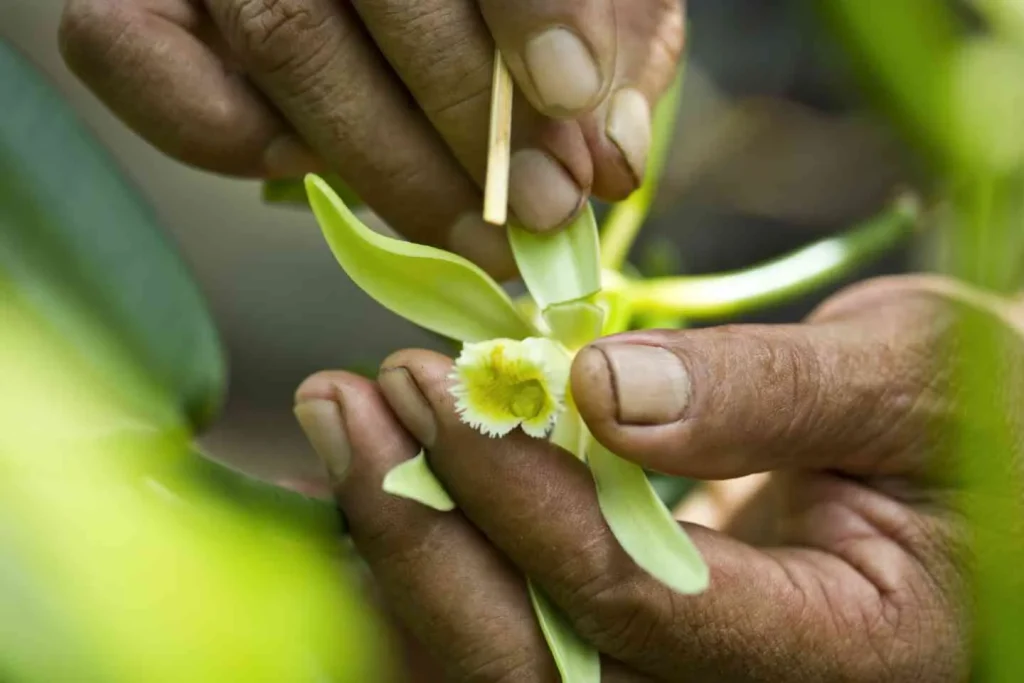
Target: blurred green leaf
{"x": 904, "y": 50}
{"x": 124, "y": 554}
{"x": 122, "y": 564}
{"x": 76, "y": 240}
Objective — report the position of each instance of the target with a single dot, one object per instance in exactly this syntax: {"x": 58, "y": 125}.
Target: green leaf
{"x": 77, "y": 243}
{"x": 433, "y": 288}
{"x": 565, "y": 266}
{"x": 293, "y": 191}
{"x": 103, "y": 521}
{"x": 577, "y": 660}
{"x": 413, "y": 479}
{"x": 643, "y": 525}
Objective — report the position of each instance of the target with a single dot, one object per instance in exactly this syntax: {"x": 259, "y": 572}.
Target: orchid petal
{"x": 643, "y": 525}
{"x": 414, "y": 479}
{"x": 430, "y": 287}
{"x": 577, "y": 660}
{"x": 565, "y": 266}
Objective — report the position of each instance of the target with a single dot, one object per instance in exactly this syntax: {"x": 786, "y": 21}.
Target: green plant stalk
{"x": 1005, "y": 16}
{"x": 904, "y": 52}
{"x": 625, "y": 219}
{"x": 993, "y": 483}
{"x": 909, "y": 47}
{"x": 813, "y": 266}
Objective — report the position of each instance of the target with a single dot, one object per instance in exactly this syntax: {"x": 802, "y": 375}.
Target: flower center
{"x": 528, "y": 399}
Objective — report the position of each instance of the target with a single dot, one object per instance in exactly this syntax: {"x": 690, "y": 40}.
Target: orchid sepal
{"x": 430, "y": 287}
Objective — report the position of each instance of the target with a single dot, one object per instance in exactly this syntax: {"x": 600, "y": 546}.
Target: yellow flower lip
{"x": 503, "y": 384}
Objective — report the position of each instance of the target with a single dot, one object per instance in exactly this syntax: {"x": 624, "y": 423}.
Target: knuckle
{"x": 787, "y": 367}
{"x": 902, "y": 644}
{"x": 282, "y": 36}
{"x": 88, "y": 30}
{"x": 466, "y": 96}
{"x": 74, "y": 27}
{"x": 621, "y": 615}
{"x": 485, "y": 663}
{"x": 445, "y": 51}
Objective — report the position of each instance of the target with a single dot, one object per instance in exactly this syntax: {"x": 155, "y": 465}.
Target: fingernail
{"x": 563, "y": 70}
{"x": 324, "y": 427}
{"x": 482, "y": 243}
{"x": 629, "y": 127}
{"x": 289, "y": 157}
{"x": 409, "y": 404}
{"x": 651, "y": 385}
{"x": 541, "y": 193}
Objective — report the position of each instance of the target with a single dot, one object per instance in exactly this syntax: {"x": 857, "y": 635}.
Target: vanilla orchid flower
{"x": 513, "y": 372}
{"x": 503, "y": 384}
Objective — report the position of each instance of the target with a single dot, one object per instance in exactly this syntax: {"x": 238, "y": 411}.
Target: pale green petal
{"x": 433, "y": 288}
{"x": 414, "y": 480}
{"x": 643, "y": 525}
{"x": 575, "y": 323}
{"x": 576, "y": 660}
{"x": 570, "y": 433}
{"x": 565, "y": 266}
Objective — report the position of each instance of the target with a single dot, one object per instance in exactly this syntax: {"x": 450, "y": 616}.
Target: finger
{"x": 650, "y": 41}
{"x": 457, "y": 594}
{"x": 443, "y": 52}
{"x": 768, "y": 615}
{"x": 561, "y": 52}
{"x": 315, "y": 62}
{"x": 633, "y": 46}
{"x": 150, "y": 65}
{"x": 858, "y": 388}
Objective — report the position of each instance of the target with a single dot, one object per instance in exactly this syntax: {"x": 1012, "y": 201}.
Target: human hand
{"x": 392, "y": 94}
{"x": 846, "y": 562}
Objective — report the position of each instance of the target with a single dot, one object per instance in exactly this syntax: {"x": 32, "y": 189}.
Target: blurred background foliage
{"x": 114, "y": 529}
{"x": 125, "y": 555}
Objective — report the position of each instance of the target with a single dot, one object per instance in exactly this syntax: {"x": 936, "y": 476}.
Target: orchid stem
{"x": 816, "y": 265}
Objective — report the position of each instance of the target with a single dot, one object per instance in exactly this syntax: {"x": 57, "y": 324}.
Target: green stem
{"x": 800, "y": 272}
{"x": 627, "y": 217}
{"x": 986, "y": 398}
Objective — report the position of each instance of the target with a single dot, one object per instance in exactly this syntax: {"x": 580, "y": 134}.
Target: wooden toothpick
{"x": 499, "y": 144}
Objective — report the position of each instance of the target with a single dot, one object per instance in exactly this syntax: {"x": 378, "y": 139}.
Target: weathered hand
{"x": 392, "y": 94}
{"x": 845, "y": 563}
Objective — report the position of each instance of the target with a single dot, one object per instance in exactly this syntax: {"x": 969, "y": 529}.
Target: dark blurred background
{"x": 773, "y": 150}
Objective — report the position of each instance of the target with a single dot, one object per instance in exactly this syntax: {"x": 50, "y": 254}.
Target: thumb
{"x": 857, "y": 389}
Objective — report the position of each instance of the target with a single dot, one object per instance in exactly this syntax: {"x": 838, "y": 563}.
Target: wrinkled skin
{"x": 392, "y": 94}
{"x": 834, "y": 552}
